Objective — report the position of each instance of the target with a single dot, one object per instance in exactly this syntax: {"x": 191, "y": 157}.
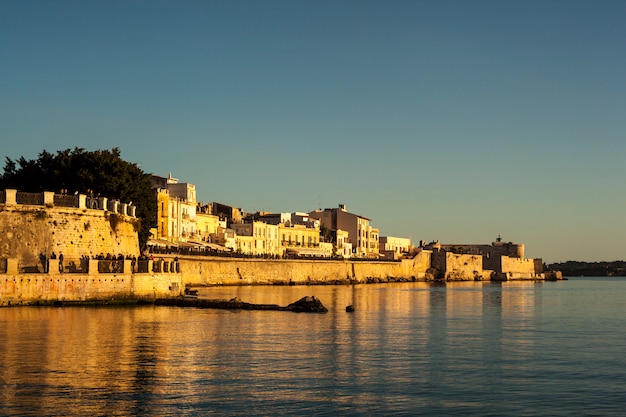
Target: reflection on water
{"x": 472, "y": 348}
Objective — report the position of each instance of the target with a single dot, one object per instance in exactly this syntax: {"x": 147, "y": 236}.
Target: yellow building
{"x": 207, "y": 224}
{"x": 162, "y": 230}
{"x": 245, "y": 245}
{"x": 298, "y": 237}
{"x": 393, "y": 247}
{"x": 257, "y": 238}
{"x": 224, "y": 237}
{"x": 176, "y": 212}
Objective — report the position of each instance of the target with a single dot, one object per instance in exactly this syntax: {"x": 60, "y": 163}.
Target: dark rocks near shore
{"x": 377, "y": 280}
{"x": 303, "y": 305}
{"x": 307, "y": 305}
{"x": 190, "y": 292}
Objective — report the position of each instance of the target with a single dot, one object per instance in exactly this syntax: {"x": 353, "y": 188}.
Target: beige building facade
{"x": 394, "y": 247}
{"x": 362, "y": 236}
{"x": 207, "y": 224}
{"x": 300, "y": 239}
{"x": 176, "y": 210}
{"x": 257, "y": 238}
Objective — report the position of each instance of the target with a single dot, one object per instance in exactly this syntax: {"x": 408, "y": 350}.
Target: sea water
{"x": 475, "y": 348}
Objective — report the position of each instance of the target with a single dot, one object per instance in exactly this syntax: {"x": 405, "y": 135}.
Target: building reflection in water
{"x": 160, "y": 360}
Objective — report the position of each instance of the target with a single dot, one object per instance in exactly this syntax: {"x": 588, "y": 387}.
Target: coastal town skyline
{"x": 449, "y": 121}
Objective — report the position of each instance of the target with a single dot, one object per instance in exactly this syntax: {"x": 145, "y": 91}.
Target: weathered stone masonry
{"x": 29, "y": 231}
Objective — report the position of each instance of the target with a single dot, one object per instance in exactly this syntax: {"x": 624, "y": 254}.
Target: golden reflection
{"x": 518, "y": 316}
{"x": 464, "y": 299}
{"x": 155, "y": 360}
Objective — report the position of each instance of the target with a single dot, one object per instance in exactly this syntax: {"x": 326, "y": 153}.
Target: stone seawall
{"x": 237, "y": 271}
{"x": 51, "y": 288}
{"x": 48, "y": 289}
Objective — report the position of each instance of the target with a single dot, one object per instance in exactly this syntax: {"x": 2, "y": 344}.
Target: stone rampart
{"x": 521, "y": 268}
{"x": 44, "y": 289}
{"x": 465, "y": 268}
{"x": 236, "y": 271}
{"x": 494, "y": 250}
{"x": 521, "y": 265}
{"x": 169, "y": 279}
{"x": 52, "y": 287}
{"x": 30, "y": 231}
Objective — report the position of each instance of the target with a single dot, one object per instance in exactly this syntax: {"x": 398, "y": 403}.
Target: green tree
{"x": 326, "y": 234}
{"x": 101, "y": 172}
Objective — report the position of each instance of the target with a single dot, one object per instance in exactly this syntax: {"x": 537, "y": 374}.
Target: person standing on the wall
{"x": 60, "y": 261}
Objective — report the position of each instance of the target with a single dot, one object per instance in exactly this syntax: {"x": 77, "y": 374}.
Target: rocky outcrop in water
{"x": 304, "y": 305}
{"x": 307, "y": 305}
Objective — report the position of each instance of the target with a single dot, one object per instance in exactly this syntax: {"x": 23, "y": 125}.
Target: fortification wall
{"x": 493, "y": 262}
{"x": 29, "y": 231}
{"x": 465, "y": 268}
{"x": 234, "y": 271}
{"x": 494, "y": 250}
{"x": 47, "y": 288}
{"x": 151, "y": 286}
{"x": 521, "y": 265}
{"x": 32, "y": 289}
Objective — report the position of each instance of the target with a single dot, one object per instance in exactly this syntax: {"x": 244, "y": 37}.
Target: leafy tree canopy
{"x": 101, "y": 172}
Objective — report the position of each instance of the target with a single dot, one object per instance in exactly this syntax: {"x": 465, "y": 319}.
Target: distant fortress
{"x": 59, "y": 248}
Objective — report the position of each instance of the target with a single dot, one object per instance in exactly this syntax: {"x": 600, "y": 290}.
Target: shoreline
{"x": 172, "y": 278}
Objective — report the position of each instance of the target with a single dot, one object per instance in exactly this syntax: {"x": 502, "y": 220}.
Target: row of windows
{"x": 300, "y": 239}
{"x": 366, "y": 244}
{"x": 164, "y": 213}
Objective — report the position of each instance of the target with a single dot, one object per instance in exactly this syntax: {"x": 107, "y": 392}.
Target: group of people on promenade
{"x": 115, "y": 262}
{"x": 108, "y": 263}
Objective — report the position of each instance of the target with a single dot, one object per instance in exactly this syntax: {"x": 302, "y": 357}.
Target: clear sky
{"x": 438, "y": 120}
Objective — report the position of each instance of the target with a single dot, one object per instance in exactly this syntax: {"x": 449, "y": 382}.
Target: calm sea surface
{"x": 517, "y": 348}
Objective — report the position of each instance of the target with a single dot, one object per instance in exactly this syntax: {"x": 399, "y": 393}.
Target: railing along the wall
{"x": 49, "y": 199}
{"x": 62, "y": 200}
{"x": 89, "y": 266}
{"x": 35, "y": 199}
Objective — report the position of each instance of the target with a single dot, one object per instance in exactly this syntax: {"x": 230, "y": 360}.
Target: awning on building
{"x": 307, "y": 252}
{"x": 212, "y": 246}
{"x": 161, "y": 243}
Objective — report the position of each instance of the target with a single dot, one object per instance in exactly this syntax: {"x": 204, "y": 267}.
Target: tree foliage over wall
{"x": 101, "y": 172}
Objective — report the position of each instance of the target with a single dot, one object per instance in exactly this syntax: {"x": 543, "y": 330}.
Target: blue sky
{"x": 448, "y": 120}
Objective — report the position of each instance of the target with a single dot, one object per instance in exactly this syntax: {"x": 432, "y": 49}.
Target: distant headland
{"x": 591, "y": 269}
